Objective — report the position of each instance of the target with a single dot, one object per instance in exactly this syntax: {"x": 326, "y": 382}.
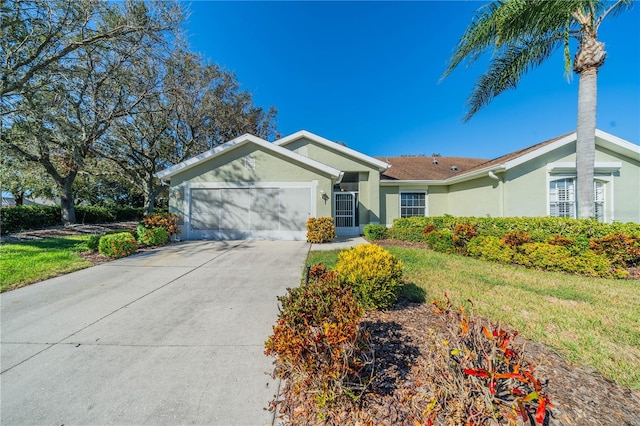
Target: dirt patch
{"x": 70, "y": 230}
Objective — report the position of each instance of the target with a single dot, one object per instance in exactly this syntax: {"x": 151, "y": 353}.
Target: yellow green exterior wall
{"x": 229, "y": 167}
{"x": 369, "y": 177}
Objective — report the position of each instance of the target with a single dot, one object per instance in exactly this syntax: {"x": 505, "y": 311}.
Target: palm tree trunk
{"x": 586, "y": 141}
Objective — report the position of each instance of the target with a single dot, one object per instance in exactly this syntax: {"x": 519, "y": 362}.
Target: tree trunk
{"x": 586, "y": 141}
{"x": 67, "y": 206}
{"x": 589, "y": 58}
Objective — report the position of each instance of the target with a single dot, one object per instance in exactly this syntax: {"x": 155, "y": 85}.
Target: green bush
{"x": 441, "y": 241}
{"x": 153, "y": 236}
{"x": 117, "y": 245}
{"x": 128, "y": 213}
{"x": 375, "y": 231}
{"x": 374, "y": 273}
{"x": 93, "y": 243}
{"x": 490, "y": 248}
{"x": 23, "y": 218}
{"x": 320, "y": 230}
{"x": 559, "y": 258}
{"x": 94, "y": 214}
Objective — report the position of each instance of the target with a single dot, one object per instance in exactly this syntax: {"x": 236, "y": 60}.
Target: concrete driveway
{"x": 170, "y": 336}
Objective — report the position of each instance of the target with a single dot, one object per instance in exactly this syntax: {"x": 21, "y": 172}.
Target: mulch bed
{"x": 400, "y": 339}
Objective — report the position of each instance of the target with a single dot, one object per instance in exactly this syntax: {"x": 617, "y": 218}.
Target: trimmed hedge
{"x": 539, "y": 229}
{"x": 583, "y": 247}
{"x": 375, "y": 231}
{"x": 24, "y": 218}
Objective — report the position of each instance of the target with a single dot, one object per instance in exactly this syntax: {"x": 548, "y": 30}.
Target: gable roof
{"x": 423, "y": 169}
{"x": 517, "y": 158}
{"x": 303, "y": 134}
{"x": 240, "y": 141}
{"x": 427, "y": 168}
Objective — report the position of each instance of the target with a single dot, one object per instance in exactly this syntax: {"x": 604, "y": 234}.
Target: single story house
{"x": 252, "y": 188}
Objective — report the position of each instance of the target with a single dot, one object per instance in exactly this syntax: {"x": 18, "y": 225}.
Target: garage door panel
{"x": 295, "y": 200}
{"x": 234, "y": 221}
{"x": 205, "y": 222}
{"x": 265, "y": 200}
{"x": 236, "y": 201}
{"x": 257, "y": 212}
{"x": 265, "y": 222}
{"x": 293, "y": 221}
{"x": 205, "y": 201}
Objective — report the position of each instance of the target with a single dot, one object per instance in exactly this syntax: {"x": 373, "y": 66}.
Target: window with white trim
{"x": 599, "y": 204}
{"x": 562, "y": 198}
{"x": 413, "y": 204}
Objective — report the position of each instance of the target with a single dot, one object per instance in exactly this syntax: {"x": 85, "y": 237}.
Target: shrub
{"x": 622, "y": 249}
{"x": 317, "y": 343}
{"x": 409, "y": 229}
{"x": 94, "y": 214}
{"x": 128, "y": 213}
{"x": 480, "y": 375}
{"x": 375, "y": 231}
{"x": 117, "y": 245}
{"x": 560, "y": 258}
{"x": 515, "y": 238}
{"x": 93, "y": 242}
{"x": 489, "y": 248}
{"x": 153, "y": 236}
{"x": 374, "y": 273}
{"x": 462, "y": 234}
{"x": 441, "y": 241}
{"x": 320, "y": 230}
{"x": 22, "y": 218}
{"x": 168, "y": 221}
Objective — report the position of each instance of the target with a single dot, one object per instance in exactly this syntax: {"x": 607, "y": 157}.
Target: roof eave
{"x": 379, "y": 165}
{"x": 239, "y": 141}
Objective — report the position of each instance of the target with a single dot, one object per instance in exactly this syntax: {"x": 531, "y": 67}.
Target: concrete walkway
{"x": 339, "y": 243}
{"x": 170, "y": 336}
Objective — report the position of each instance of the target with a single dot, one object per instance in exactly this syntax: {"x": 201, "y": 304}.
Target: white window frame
{"x": 606, "y": 183}
{"x": 424, "y": 207}
{"x": 572, "y": 203}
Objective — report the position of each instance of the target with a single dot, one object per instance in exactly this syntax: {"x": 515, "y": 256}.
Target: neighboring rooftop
{"x": 427, "y": 167}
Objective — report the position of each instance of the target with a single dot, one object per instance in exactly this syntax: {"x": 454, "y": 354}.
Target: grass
{"x": 33, "y": 261}
{"x": 590, "y": 321}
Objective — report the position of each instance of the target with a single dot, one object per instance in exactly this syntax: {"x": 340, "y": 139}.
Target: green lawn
{"x": 588, "y": 320}
{"x": 25, "y": 263}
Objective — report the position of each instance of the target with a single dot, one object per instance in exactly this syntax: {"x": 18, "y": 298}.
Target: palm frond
{"x": 508, "y": 67}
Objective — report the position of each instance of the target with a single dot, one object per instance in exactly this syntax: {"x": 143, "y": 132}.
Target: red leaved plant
{"x": 489, "y": 377}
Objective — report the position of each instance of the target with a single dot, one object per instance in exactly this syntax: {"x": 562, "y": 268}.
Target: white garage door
{"x": 238, "y": 213}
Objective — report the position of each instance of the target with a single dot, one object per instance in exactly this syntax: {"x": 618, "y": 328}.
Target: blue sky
{"x": 367, "y": 74}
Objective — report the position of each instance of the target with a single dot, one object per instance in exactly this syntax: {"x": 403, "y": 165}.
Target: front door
{"x": 345, "y": 213}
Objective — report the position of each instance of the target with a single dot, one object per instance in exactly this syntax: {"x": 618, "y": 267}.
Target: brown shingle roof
{"x": 513, "y": 155}
{"x": 424, "y": 168}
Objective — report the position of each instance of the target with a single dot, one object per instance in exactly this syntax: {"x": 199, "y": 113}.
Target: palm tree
{"x": 522, "y": 34}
